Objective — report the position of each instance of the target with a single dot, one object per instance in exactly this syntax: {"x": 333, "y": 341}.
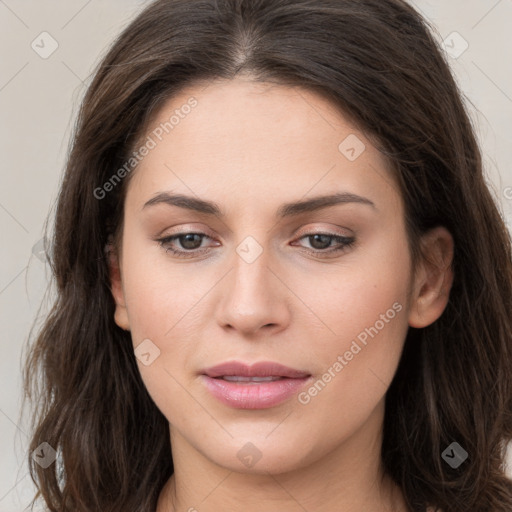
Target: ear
{"x": 433, "y": 279}
{"x": 116, "y": 286}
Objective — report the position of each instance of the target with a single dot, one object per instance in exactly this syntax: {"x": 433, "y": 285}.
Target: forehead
{"x": 238, "y": 138}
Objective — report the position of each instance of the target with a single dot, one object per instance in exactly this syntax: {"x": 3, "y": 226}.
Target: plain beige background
{"x": 39, "y": 99}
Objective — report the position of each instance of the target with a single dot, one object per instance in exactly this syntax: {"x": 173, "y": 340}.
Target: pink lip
{"x": 253, "y": 395}
{"x": 260, "y": 369}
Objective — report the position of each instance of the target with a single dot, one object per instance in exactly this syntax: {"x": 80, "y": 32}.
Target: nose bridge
{"x": 251, "y": 270}
{"x": 253, "y": 297}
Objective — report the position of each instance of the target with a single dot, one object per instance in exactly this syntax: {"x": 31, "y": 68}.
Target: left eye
{"x": 325, "y": 239}
{"x": 191, "y": 243}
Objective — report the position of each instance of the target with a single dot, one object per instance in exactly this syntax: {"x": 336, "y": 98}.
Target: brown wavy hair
{"x": 378, "y": 61}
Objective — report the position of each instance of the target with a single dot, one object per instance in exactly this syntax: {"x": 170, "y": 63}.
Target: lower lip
{"x": 257, "y": 395}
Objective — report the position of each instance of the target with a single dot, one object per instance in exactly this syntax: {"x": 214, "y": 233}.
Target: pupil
{"x": 189, "y": 240}
{"x": 326, "y": 239}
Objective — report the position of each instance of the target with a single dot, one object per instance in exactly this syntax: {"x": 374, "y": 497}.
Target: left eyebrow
{"x": 285, "y": 210}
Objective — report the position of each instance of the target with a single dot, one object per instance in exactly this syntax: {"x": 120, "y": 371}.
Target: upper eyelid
{"x": 190, "y": 228}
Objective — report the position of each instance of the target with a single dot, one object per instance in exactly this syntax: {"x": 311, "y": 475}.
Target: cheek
{"x": 363, "y": 311}
{"x": 350, "y": 296}
{"x": 357, "y": 364}
{"x": 166, "y": 309}
{"x": 160, "y": 302}
{"x": 159, "y": 294}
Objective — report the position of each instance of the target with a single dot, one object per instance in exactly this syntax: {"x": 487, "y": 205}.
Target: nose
{"x": 254, "y": 296}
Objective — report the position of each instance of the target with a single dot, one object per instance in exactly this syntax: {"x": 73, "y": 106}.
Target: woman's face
{"x": 255, "y": 284}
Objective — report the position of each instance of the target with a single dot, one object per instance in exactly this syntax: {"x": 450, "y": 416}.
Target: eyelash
{"x": 346, "y": 243}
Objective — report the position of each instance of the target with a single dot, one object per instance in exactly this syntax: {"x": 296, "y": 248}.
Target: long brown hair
{"x": 376, "y": 60}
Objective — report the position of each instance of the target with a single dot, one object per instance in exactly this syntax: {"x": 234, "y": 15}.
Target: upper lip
{"x": 259, "y": 369}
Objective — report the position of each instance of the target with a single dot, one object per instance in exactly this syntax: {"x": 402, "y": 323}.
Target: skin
{"x": 250, "y": 147}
